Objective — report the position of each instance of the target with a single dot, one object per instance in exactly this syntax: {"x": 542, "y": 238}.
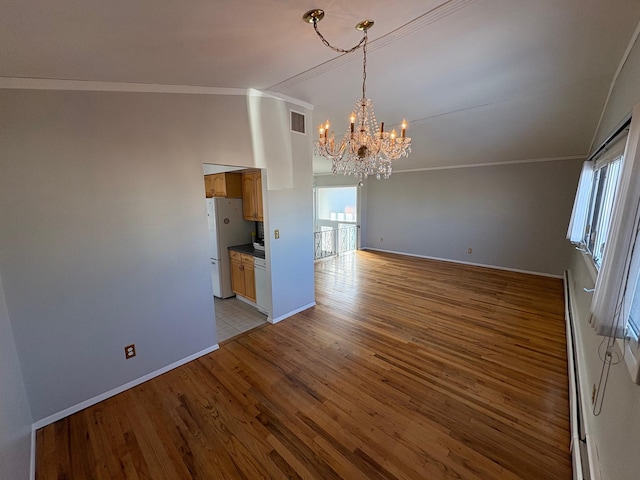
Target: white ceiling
{"x": 480, "y": 81}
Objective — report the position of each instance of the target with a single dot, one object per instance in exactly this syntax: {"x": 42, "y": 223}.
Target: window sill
{"x": 630, "y": 348}
{"x": 588, "y": 260}
{"x": 631, "y": 358}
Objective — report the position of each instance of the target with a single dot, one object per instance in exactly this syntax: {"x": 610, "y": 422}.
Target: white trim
{"x": 82, "y": 85}
{"x": 623, "y": 60}
{"x": 23, "y": 83}
{"x": 103, "y": 396}
{"x": 631, "y": 358}
{"x": 583, "y": 389}
{"x": 291, "y": 313}
{"x": 32, "y": 468}
{"x": 576, "y": 454}
{"x": 588, "y": 260}
{"x": 252, "y": 92}
{"x": 490, "y": 164}
{"x": 495, "y": 267}
{"x": 493, "y": 164}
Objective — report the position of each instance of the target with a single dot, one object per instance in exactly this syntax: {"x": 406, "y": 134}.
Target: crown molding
{"x": 478, "y": 165}
{"x": 90, "y": 85}
{"x": 252, "y": 92}
{"x": 23, "y": 83}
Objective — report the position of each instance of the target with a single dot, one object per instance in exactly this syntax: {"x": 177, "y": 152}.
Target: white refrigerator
{"x": 227, "y": 227}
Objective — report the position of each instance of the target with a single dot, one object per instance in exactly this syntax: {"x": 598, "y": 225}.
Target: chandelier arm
{"x": 336, "y": 49}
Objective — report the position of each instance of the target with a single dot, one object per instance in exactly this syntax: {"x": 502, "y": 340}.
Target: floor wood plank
{"x": 406, "y": 368}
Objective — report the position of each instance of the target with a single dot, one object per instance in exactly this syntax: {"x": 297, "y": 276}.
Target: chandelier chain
{"x": 364, "y": 66}
{"x": 337, "y": 49}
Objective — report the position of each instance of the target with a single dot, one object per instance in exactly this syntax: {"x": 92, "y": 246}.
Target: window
{"x": 603, "y": 190}
{"x": 336, "y": 217}
{"x": 336, "y": 204}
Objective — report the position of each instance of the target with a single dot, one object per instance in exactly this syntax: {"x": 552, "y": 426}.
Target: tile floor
{"x": 234, "y": 317}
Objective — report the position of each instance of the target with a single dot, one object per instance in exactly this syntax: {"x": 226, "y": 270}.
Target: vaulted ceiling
{"x": 480, "y": 81}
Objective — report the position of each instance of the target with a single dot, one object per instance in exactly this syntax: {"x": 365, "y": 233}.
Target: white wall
{"x": 512, "y": 216}
{"x": 289, "y": 209}
{"x": 15, "y": 416}
{"x": 616, "y": 431}
{"x": 104, "y": 232}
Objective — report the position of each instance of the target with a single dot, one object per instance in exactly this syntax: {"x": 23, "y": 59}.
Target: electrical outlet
{"x": 130, "y": 351}
{"x": 469, "y": 250}
{"x": 593, "y": 394}
{"x": 381, "y": 239}
{"x": 276, "y": 234}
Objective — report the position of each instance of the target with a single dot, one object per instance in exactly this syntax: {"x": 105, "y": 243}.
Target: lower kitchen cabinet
{"x": 243, "y": 276}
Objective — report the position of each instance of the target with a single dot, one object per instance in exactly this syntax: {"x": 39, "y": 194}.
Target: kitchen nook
{"x": 239, "y": 271}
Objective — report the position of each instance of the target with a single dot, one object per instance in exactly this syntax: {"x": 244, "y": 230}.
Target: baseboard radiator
{"x": 582, "y": 467}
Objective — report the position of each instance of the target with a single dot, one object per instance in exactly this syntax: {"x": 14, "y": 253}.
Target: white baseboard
{"x": 103, "y": 396}
{"x": 32, "y": 468}
{"x": 495, "y": 267}
{"x": 290, "y": 314}
{"x": 583, "y": 390}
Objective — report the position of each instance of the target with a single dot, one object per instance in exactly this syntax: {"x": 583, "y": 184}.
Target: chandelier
{"x": 365, "y": 149}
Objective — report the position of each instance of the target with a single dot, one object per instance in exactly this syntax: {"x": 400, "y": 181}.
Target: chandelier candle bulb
{"x": 404, "y": 128}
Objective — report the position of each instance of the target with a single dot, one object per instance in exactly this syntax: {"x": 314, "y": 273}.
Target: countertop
{"x": 248, "y": 248}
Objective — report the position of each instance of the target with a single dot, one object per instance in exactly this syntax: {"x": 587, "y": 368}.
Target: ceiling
{"x": 480, "y": 81}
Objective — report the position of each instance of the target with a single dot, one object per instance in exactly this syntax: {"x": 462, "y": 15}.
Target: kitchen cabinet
{"x": 252, "y": 195}
{"x": 223, "y": 185}
{"x": 243, "y": 275}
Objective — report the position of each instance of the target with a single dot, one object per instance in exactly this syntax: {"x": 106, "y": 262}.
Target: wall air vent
{"x": 298, "y": 122}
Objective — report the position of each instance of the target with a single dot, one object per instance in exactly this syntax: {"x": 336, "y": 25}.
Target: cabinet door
{"x": 208, "y": 186}
{"x": 249, "y": 281}
{"x": 237, "y": 277}
{"x": 257, "y": 190}
{"x": 248, "y": 199}
{"x": 233, "y": 185}
{"x": 219, "y": 185}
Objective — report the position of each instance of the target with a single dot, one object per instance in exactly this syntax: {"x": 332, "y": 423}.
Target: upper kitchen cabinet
{"x": 252, "y": 195}
{"x": 223, "y": 185}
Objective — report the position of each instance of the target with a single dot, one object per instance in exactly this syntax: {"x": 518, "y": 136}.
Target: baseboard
{"x": 32, "y": 468}
{"x": 290, "y": 314}
{"x": 582, "y": 392}
{"x": 134, "y": 383}
{"x": 495, "y": 267}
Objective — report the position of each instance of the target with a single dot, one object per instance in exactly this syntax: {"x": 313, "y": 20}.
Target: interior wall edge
{"x": 291, "y": 313}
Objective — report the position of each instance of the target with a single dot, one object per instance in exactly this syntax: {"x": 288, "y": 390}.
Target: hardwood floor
{"x": 406, "y": 369}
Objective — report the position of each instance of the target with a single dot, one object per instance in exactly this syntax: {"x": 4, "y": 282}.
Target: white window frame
{"x": 620, "y": 269}
{"x": 604, "y": 186}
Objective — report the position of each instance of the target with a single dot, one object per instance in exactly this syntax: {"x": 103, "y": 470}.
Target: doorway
{"x": 228, "y": 227}
{"x": 335, "y": 221}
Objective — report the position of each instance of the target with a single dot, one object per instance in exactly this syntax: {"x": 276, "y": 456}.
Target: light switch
{"x": 276, "y": 234}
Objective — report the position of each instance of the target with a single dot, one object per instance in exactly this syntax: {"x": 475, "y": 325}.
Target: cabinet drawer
{"x": 247, "y": 259}
{"x": 235, "y": 255}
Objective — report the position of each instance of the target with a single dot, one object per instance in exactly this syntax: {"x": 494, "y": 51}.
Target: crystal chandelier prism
{"x": 365, "y": 149}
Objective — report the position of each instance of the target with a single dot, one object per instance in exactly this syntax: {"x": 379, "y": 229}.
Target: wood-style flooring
{"x": 406, "y": 369}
